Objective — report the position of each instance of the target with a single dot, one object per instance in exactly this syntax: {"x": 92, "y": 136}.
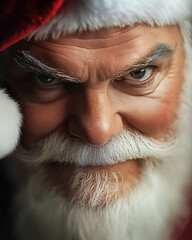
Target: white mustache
{"x": 67, "y": 149}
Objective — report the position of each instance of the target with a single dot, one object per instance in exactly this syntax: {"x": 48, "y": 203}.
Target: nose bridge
{"x": 97, "y": 104}
{"x": 96, "y": 111}
{"x": 94, "y": 119}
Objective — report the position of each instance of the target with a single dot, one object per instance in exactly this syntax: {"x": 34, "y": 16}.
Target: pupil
{"x": 138, "y": 74}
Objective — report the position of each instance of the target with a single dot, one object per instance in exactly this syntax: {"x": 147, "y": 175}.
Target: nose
{"x": 94, "y": 118}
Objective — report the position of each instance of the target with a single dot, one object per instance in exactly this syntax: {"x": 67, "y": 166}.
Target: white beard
{"x": 149, "y": 212}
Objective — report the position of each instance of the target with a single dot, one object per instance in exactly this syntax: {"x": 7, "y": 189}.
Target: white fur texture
{"x": 80, "y": 15}
{"x": 10, "y": 122}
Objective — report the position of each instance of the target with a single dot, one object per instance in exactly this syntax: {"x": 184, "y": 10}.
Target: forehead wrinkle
{"x": 102, "y": 35}
{"x": 93, "y": 46}
{"x": 88, "y": 44}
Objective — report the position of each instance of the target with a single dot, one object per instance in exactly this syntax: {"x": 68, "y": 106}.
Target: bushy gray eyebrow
{"x": 159, "y": 52}
{"x": 25, "y": 59}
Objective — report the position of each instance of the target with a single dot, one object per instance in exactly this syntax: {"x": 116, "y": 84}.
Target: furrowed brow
{"x": 26, "y": 60}
{"x": 159, "y": 52}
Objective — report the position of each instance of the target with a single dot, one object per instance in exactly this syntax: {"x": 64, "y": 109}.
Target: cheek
{"x": 154, "y": 114}
{"x": 40, "y": 120}
{"x": 156, "y": 117}
{"x": 152, "y": 117}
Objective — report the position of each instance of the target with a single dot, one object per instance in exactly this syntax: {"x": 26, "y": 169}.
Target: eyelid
{"x": 54, "y": 80}
{"x": 139, "y": 88}
{"x": 138, "y": 84}
{"x": 59, "y": 84}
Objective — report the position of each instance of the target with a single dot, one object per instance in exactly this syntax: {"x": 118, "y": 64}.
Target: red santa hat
{"x": 54, "y": 18}
{"x": 42, "y": 19}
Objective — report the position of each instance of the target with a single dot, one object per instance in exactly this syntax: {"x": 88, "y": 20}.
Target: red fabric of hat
{"x": 18, "y": 18}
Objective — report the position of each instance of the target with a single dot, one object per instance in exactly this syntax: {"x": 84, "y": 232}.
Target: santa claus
{"x": 104, "y": 91}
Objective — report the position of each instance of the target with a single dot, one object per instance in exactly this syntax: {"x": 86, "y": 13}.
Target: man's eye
{"x": 43, "y": 88}
{"x": 45, "y": 80}
{"x": 139, "y": 81}
{"x": 140, "y": 74}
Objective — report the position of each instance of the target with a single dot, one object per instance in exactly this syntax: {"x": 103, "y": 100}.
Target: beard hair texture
{"x": 147, "y": 212}
{"x": 94, "y": 189}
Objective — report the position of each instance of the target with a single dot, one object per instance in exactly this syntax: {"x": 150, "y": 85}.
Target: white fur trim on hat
{"x": 10, "y": 122}
{"x": 80, "y": 15}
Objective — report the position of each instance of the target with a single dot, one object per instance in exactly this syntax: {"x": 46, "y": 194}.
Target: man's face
{"x": 94, "y": 85}
{"x": 105, "y": 127}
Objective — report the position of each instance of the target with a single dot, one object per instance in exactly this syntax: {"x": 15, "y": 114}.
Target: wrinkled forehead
{"x": 138, "y": 37}
{"x": 111, "y": 49}
{"x": 138, "y": 40}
